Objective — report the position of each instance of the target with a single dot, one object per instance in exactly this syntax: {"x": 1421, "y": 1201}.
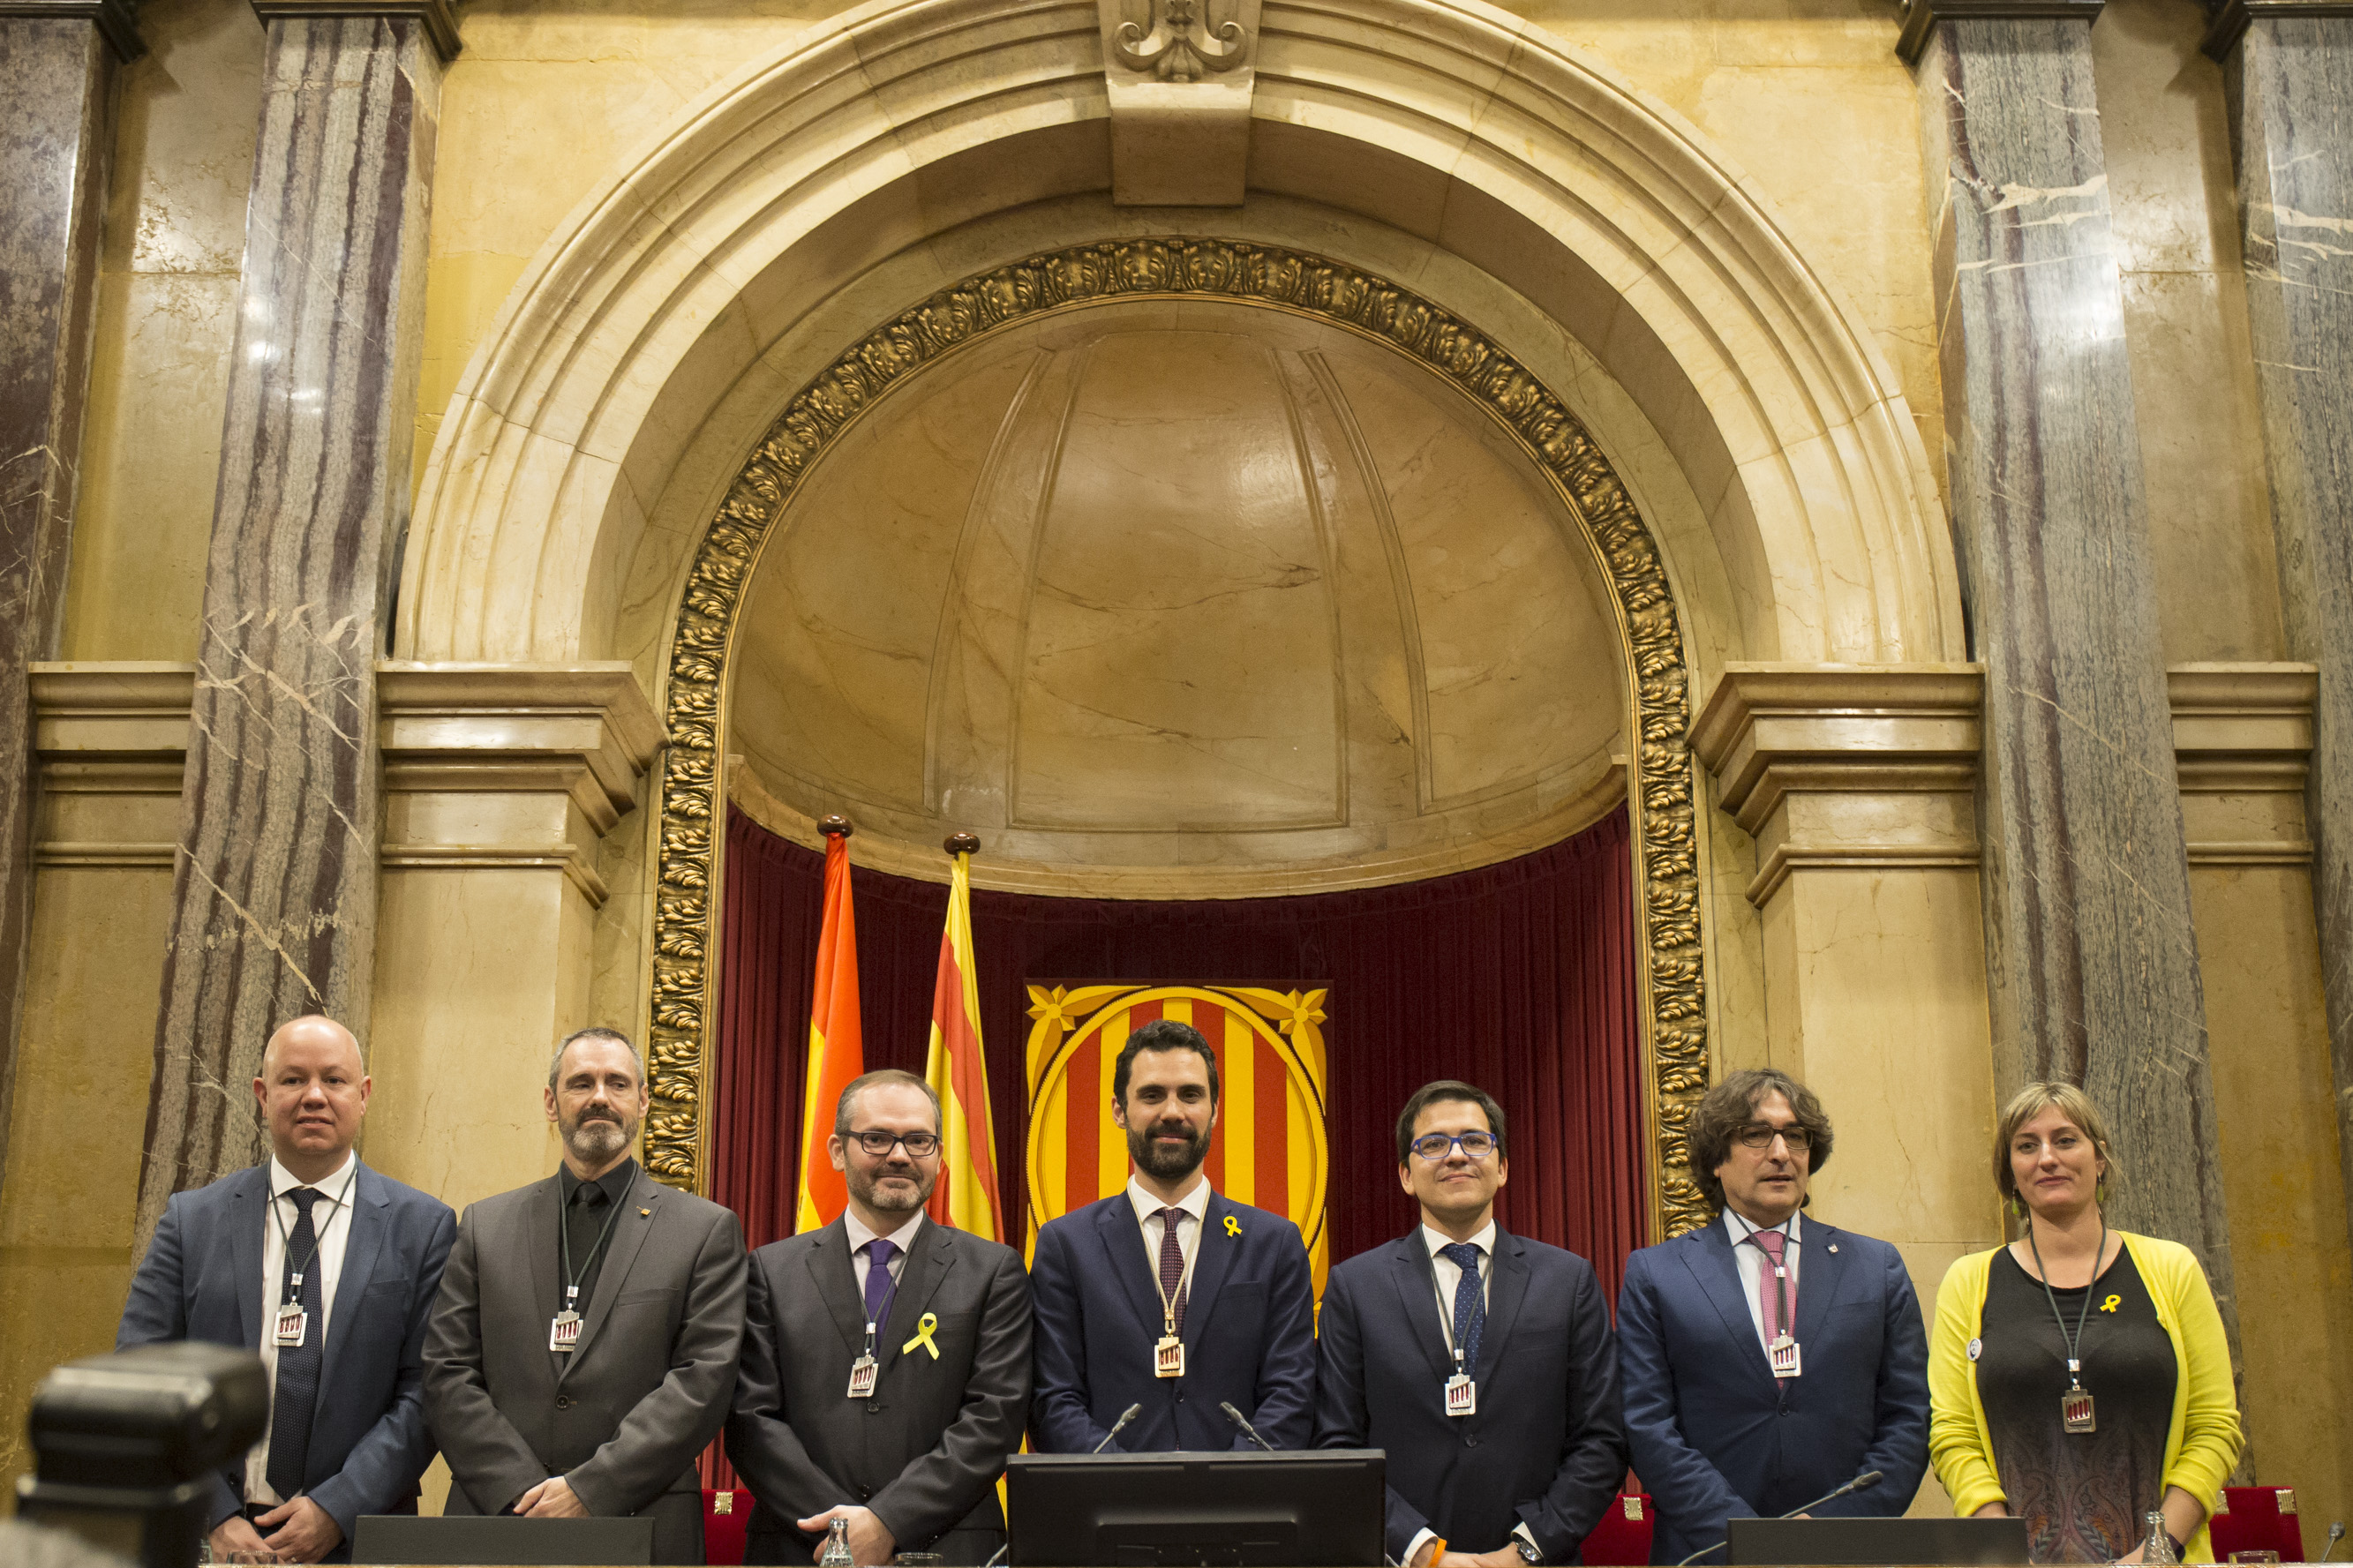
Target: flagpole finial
{"x": 836, "y": 826}
{"x": 961, "y": 844}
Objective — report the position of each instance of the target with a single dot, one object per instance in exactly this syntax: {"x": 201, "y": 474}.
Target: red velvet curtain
{"x": 1520, "y": 977}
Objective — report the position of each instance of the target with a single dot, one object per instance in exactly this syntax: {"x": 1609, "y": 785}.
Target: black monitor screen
{"x": 1263, "y": 1511}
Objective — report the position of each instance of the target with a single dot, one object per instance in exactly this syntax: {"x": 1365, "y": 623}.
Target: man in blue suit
{"x": 1769, "y": 1358}
{"x": 1481, "y": 1361}
{"x": 328, "y": 1271}
{"x": 1167, "y": 1295}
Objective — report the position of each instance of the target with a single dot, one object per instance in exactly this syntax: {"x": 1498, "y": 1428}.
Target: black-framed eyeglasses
{"x": 1758, "y": 1135}
{"x": 1435, "y": 1146}
{"x": 879, "y": 1143}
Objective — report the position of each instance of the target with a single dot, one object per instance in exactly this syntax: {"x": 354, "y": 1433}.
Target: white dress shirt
{"x": 331, "y": 1220}
{"x": 1751, "y": 1259}
{"x": 1188, "y": 1236}
{"x": 1449, "y": 1275}
{"x": 863, "y": 1261}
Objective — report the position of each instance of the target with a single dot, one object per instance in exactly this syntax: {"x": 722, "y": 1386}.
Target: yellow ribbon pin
{"x": 1233, "y": 1225}
{"x": 924, "y": 1328}
{"x": 2112, "y": 1303}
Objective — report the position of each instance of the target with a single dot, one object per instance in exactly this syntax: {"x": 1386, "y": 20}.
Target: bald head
{"x": 313, "y": 1091}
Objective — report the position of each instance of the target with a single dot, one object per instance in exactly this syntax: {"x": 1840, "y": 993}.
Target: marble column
{"x": 2090, "y": 946}
{"x": 2287, "y": 69}
{"x": 56, "y": 77}
{"x": 275, "y": 880}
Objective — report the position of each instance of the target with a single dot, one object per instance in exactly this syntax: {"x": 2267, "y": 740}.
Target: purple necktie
{"x": 1769, "y": 1289}
{"x": 879, "y": 1285}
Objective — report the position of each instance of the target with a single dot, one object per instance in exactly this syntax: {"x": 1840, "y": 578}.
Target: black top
{"x": 2084, "y": 1495}
{"x": 587, "y": 1205}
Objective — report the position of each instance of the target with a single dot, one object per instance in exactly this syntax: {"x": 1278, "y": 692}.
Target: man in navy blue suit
{"x": 328, "y": 1271}
{"x": 1481, "y": 1361}
{"x": 1769, "y": 1358}
{"x": 1167, "y": 1295}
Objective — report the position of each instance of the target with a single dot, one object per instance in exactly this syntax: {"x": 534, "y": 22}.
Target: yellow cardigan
{"x": 2201, "y": 1445}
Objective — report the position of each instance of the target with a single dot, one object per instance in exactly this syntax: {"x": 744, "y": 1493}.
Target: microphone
{"x": 1862, "y": 1483}
{"x": 999, "y": 1559}
{"x": 2335, "y": 1534}
{"x": 1127, "y": 1415}
{"x": 1248, "y": 1431}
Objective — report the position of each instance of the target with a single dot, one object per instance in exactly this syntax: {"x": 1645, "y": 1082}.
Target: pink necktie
{"x": 1769, "y": 1289}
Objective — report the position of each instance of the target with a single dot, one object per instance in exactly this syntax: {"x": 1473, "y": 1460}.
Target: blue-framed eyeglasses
{"x": 1435, "y": 1146}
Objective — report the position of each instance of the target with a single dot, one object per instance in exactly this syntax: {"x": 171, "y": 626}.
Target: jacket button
{"x": 563, "y": 1401}
{"x": 1470, "y": 1439}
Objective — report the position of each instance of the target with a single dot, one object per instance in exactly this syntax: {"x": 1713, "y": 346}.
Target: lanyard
{"x": 1446, "y": 1308}
{"x": 564, "y": 1230}
{"x": 2074, "y": 1341}
{"x": 1780, "y": 1270}
{"x": 317, "y": 1235}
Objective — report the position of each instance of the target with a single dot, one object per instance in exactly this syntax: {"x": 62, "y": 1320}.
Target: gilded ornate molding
{"x": 1662, "y": 793}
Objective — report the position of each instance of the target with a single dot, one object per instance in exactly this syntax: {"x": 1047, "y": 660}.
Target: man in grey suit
{"x": 324, "y": 1269}
{"x": 583, "y": 1352}
{"x": 905, "y": 1446}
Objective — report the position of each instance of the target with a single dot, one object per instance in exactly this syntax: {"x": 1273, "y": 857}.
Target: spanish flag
{"x": 836, "y": 1055}
{"x": 957, "y": 1070}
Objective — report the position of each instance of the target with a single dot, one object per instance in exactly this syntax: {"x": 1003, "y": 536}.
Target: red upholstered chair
{"x": 726, "y": 1516}
{"x": 1623, "y": 1536}
{"x": 2257, "y": 1519}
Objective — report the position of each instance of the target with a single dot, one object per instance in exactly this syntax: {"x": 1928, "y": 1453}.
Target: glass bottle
{"x": 2157, "y": 1551}
{"x": 836, "y": 1547}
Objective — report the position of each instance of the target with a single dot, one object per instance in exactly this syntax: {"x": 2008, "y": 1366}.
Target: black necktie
{"x": 297, "y": 1366}
{"x": 587, "y": 1224}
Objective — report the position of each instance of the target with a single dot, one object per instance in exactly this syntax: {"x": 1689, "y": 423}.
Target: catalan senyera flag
{"x": 957, "y": 1070}
{"x": 836, "y": 1053}
{"x": 1269, "y": 1147}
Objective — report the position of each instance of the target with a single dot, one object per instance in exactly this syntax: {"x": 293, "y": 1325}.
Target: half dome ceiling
{"x": 1181, "y": 597}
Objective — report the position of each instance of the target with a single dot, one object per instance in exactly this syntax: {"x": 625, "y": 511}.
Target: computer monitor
{"x": 1144, "y": 1510}
{"x": 1962, "y": 1543}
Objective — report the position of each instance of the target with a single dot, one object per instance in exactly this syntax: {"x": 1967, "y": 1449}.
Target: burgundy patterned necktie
{"x": 1172, "y": 1262}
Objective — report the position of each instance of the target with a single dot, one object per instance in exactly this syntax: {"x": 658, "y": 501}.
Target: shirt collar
{"x": 283, "y": 1181}
{"x": 861, "y": 1233}
{"x": 1738, "y": 1227}
{"x": 1195, "y": 1203}
{"x": 615, "y": 1181}
{"x": 1484, "y": 1241}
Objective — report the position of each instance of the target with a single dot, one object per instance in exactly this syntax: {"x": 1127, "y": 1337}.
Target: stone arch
{"x": 1448, "y": 119}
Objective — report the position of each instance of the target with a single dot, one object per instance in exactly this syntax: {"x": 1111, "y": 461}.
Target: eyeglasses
{"x": 1435, "y": 1146}
{"x": 879, "y": 1143}
{"x": 1760, "y": 1136}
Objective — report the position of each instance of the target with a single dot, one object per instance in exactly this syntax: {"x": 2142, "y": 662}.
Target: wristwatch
{"x": 1528, "y": 1553}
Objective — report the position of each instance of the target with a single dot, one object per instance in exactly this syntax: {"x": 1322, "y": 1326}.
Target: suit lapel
{"x": 641, "y": 1206}
{"x": 1819, "y": 1272}
{"x": 1123, "y": 1244}
{"x": 1507, "y": 1286}
{"x": 248, "y": 1216}
{"x": 1416, "y": 1289}
{"x": 827, "y": 1257}
{"x": 543, "y": 1213}
{"x": 1212, "y": 1261}
{"x": 1708, "y": 1256}
{"x": 919, "y": 1282}
{"x": 361, "y": 1242}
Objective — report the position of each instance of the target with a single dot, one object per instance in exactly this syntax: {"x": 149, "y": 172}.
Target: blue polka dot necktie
{"x": 297, "y": 1366}
{"x": 1470, "y": 1303}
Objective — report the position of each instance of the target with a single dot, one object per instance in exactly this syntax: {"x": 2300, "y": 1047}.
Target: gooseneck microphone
{"x": 2335, "y": 1534}
{"x": 1127, "y": 1415}
{"x": 1248, "y": 1431}
{"x": 1862, "y": 1483}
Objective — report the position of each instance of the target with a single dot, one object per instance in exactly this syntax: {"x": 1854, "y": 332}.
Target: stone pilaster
{"x": 276, "y": 889}
{"x": 57, "y": 77}
{"x": 1856, "y": 784}
{"x": 2287, "y": 69}
{"x": 2090, "y": 946}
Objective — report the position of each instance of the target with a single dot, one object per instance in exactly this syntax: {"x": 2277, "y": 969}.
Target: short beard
{"x": 867, "y": 1189}
{"x": 593, "y": 1140}
{"x": 1166, "y": 1165}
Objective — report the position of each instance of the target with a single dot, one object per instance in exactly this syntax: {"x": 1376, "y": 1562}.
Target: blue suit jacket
{"x": 1716, "y": 1437}
{"x": 201, "y": 1279}
{"x": 1545, "y": 1449}
{"x": 1249, "y": 1333}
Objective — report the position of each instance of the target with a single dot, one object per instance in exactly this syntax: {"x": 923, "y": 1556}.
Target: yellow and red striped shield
{"x": 1269, "y": 1147}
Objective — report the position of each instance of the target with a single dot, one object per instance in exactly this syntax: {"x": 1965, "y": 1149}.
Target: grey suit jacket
{"x": 925, "y": 1451}
{"x": 624, "y": 1415}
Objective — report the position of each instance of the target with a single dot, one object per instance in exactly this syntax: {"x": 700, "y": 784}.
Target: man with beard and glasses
{"x": 1168, "y": 1295}
{"x": 886, "y": 1358}
{"x": 583, "y": 1352}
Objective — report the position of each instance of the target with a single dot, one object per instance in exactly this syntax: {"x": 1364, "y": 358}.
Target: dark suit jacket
{"x": 1249, "y": 1333}
{"x": 1716, "y": 1437}
{"x": 623, "y": 1417}
{"x": 1545, "y": 1449}
{"x": 925, "y": 1451}
{"x": 201, "y": 1279}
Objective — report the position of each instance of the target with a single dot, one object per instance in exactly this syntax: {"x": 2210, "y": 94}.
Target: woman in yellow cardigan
{"x": 2079, "y": 1377}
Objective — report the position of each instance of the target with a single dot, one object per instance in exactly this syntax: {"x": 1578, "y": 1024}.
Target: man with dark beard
{"x": 583, "y": 1352}
{"x": 886, "y": 1358}
{"x": 1168, "y": 1296}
